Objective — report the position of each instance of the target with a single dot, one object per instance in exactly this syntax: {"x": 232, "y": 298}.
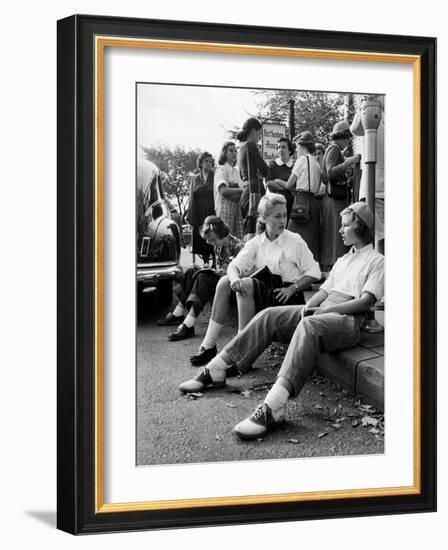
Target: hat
{"x": 362, "y": 210}
{"x": 340, "y": 128}
{"x": 305, "y": 138}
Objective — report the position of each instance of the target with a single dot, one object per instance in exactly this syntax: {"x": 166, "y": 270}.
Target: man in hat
{"x": 331, "y": 320}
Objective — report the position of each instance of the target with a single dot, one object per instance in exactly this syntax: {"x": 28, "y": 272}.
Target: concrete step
{"x": 359, "y": 369}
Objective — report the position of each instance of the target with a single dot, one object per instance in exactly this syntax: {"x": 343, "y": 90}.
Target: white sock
{"x": 212, "y": 334}
{"x": 217, "y": 367}
{"x": 189, "y": 320}
{"x": 179, "y": 311}
{"x": 277, "y": 396}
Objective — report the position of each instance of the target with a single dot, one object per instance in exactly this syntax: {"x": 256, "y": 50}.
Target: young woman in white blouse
{"x": 283, "y": 252}
{"x": 305, "y": 180}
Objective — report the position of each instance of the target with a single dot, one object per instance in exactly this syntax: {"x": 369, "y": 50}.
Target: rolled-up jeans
{"x": 308, "y": 337}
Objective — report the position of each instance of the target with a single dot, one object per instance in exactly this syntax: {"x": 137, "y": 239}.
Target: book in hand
{"x": 265, "y": 275}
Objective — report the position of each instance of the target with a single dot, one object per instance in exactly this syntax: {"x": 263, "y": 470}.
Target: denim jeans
{"x": 307, "y": 338}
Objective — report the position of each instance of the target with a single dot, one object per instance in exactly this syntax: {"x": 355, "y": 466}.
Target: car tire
{"x": 165, "y": 292}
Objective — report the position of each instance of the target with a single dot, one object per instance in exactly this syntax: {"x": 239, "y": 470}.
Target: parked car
{"x": 158, "y": 236}
{"x": 187, "y": 233}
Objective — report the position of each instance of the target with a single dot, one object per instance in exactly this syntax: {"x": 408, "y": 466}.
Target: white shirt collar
{"x": 264, "y": 237}
{"x": 289, "y": 164}
{"x": 362, "y": 250}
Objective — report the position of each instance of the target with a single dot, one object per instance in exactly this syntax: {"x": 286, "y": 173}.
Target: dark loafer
{"x": 170, "y": 319}
{"x": 203, "y": 356}
{"x": 181, "y": 333}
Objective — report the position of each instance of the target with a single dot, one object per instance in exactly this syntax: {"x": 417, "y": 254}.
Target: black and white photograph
{"x": 260, "y": 258}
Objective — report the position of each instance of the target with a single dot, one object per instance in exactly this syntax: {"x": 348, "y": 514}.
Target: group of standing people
{"x": 312, "y": 180}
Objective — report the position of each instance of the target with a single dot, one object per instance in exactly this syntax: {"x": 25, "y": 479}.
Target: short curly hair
{"x": 201, "y": 158}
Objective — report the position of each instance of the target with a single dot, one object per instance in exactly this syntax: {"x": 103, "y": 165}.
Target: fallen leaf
{"x": 246, "y": 393}
{"x": 218, "y": 437}
{"x": 317, "y": 406}
{"x": 336, "y": 426}
{"x": 323, "y": 434}
{"x": 341, "y": 419}
{"x": 369, "y": 421}
{"x": 295, "y": 441}
{"x": 196, "y": 394}
{"x": 230, "y": 405}
{"x": 374, "y": 431}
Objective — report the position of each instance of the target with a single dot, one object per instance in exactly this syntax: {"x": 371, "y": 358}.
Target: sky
{"x": 191, "y": 116}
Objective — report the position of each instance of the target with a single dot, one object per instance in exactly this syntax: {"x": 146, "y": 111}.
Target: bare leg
{"x": 220, "y": 306}
{"x": 246, "y": 303}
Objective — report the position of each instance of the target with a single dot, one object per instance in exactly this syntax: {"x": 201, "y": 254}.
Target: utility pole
{"x": 292, "y": 127}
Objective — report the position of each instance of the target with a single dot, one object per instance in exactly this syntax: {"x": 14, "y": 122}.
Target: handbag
{"x": 301, "y": 207}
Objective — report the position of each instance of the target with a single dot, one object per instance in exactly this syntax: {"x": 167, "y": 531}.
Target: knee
{"x": 248, "y": 286}
{"x": 223, "y": 286}
{"x": 308, "y": 325}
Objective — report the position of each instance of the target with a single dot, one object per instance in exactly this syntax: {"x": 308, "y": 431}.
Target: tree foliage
{"x": 176, "y": 164}
{"x": 316, "y": 112}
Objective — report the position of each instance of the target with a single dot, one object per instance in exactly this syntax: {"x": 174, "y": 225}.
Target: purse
{"x": 301, "y": 207}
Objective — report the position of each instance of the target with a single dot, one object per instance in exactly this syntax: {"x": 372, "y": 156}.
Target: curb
{"x": 359, "y": 369}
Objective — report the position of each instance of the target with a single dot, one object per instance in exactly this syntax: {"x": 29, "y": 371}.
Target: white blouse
{"x": 225, "y": 174}
{"x": 288, "y": 256}
{"x": 301, "y": 171}
{"x": 358, "y": 271}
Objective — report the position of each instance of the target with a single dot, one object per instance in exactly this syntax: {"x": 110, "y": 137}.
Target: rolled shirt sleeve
{"x": 244, "y": 262}
{"x": 375, "y": 281}
{"x": 306, "y": 262}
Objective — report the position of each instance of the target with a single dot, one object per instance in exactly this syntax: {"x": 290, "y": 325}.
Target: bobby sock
{"x": 217, "y": 367}
{"x": 277, "y": 396}
{"x": 189, "y": 320}
{"x": 211, "y": 336}
{"x": 179, "y": 311}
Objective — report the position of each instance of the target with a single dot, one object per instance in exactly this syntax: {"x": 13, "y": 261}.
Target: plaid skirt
{"x": 230, "y": 213}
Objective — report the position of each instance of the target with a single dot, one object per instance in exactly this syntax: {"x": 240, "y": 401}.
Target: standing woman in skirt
{"x": 201, "y": 204}
{"x": 228, "y": 189}
{"x": 252, "y": 169}
{"x": 305, "y": 182}
{"x": 336, "y": 198}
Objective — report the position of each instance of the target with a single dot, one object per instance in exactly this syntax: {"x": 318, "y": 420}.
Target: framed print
{"x": 246, "y": 274}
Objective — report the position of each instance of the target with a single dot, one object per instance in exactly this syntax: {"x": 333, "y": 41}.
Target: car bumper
{"x": 150, "y": 276}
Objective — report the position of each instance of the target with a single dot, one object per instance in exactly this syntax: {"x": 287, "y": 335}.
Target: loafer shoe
{"x": 200, "y": 382}
{"x": 260, "y": 422}
{"x": 203, "y": 356}
{"x": 181, "y": 333}
{"x": 170, "y": 319}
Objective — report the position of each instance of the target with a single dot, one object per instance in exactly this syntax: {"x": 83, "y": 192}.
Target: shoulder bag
{"x": 301, "y": 207}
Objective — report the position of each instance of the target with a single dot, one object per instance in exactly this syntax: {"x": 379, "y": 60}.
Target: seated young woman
{"x": 197, "y": 286}
{"x": 331, "y": 320}
{"x": 285, "y": 254}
